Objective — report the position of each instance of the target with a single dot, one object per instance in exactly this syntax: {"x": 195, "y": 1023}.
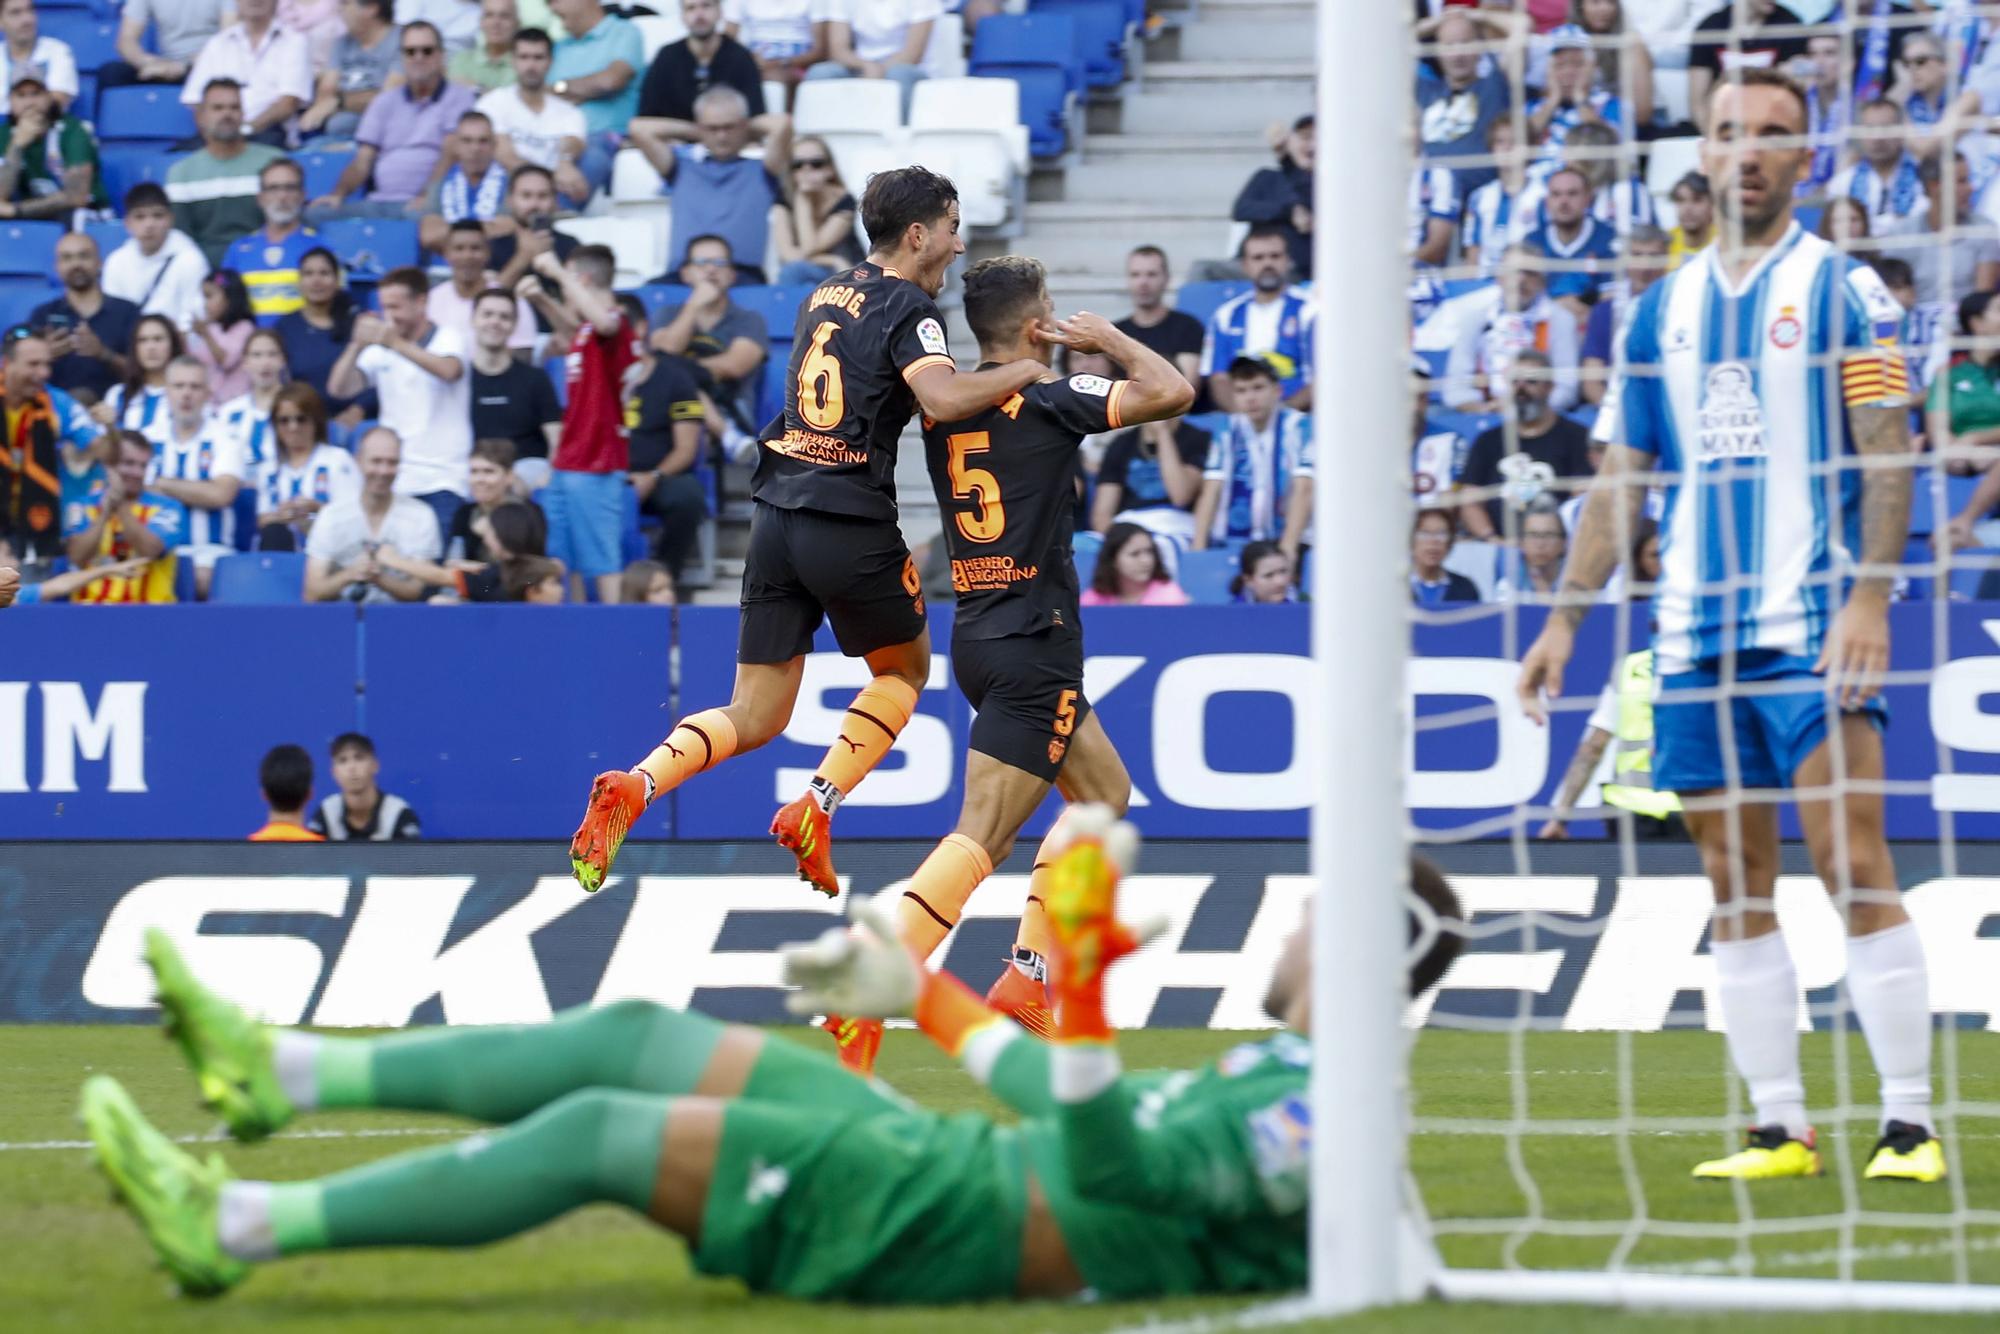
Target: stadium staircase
{"x": 1159, "y": 161}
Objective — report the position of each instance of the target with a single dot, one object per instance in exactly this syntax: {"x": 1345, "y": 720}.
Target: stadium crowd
{"x": 1537, "y": 219}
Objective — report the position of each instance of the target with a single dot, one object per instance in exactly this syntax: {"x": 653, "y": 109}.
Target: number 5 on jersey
{"x": 822, "y": 397}
{"x": 979, "y": 486}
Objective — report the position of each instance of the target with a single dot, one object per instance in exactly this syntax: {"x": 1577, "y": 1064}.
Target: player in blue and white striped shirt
{"x": 1755, "y": 375}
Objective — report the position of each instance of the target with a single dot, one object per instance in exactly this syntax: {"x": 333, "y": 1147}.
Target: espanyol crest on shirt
{"x": 1786, "y": 329}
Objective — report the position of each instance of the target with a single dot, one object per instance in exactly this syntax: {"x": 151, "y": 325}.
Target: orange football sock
{"x": 936, "y": 897}
{"x": 1033, "y": 933}
{"x": 949, "y": 1012}
{"x": 873, "y": 720}
{"x": 699, "y": 741}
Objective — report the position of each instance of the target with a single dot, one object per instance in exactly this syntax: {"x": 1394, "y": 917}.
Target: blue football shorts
{"x": 1770, "y": 728}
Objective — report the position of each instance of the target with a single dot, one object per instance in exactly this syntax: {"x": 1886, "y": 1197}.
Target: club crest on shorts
{"x": 1056, "y": 748}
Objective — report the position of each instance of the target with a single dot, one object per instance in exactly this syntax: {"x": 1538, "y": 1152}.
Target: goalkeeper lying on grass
{"x": 775, "y": 1164}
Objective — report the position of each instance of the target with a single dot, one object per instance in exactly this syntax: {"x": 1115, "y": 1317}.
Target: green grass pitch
{"x": 74, "y": 1262}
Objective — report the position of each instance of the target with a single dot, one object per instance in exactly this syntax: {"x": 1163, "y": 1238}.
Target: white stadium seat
{"x": 1671, "y": 160}
{"x": 658, "y": 30}
{"x": 835, "y": 106}
{"x": 972, "y": 106}
{"x": 774, "y": 95}
{"x": 1670, "y": 94}
{"x": 633, "y": 177}
{"x": 637, "y": 243}
{"x": 944, "y": 57}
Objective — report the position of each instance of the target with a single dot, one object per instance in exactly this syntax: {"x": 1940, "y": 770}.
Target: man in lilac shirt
{"x": 399, "y": 147}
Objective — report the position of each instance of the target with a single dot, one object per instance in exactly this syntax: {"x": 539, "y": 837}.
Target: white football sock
{"x": 1890, "y": 990}
{"x": 1759, "y": 995}
{"x": 295, "y": 1056}
{"x": 243, "y": 1221}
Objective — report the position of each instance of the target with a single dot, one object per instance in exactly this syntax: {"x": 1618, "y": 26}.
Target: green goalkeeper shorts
{"x": 830, "y": 1185}
{"x": 886, "y": 1206}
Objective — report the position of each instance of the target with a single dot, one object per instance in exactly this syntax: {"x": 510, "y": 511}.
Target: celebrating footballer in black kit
{"x": 823, "y": 539}
{"x": 1003, "y": 486}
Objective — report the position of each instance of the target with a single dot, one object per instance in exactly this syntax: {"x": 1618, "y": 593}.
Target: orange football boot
{"x": 1023, "y": 1000}
{"x": 616, "y": 800}
{"x": 806, "y": 830}
{"x": 858, "y": 1041}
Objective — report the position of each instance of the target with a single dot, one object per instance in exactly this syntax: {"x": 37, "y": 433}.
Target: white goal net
{"x": 1573, "y": 1068}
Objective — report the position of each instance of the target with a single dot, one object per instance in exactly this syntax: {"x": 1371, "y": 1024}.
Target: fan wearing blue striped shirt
{"x": 1762, "y": 382}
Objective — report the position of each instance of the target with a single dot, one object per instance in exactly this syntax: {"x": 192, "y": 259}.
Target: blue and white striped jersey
{"x": 1739, "y": 390}
{"x": 213, "y": 453}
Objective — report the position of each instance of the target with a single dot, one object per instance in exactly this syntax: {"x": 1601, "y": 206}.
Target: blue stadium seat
{"x": 147, "y": 113}
{"x": 1205, "y": 575}
{"x": 1028, "y": 41}
{"x": 29, "y": 248}
{"x": 1100, "y": 36}
{"x": 778, "y": 305}
{"x": 94, "y": 41}
{"x": 1980, "y": 582}
{"x": 1044, "y": 105}
{"x": 658, "y": 298}
{"x": 125, "y": 165}
{"x": 1923, "y": 504}
{"x": 109, "y": 234}
{"x": 259, "y": 578}
{"x": 1201, "y": 299}
{"x": 184, "y": 581}
{"x": 370, "y": 247}
{"x": 85, "y": 105}
{"x": 1084, "y": 549}
{"x": 771, "y": 388}
{"x": 323, "y": 168}
{"x": 19, "y": 296}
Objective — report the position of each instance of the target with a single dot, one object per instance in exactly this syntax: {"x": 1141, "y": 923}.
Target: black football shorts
{"x": 803, "y": 565}
{"x": 1028, "y": 690}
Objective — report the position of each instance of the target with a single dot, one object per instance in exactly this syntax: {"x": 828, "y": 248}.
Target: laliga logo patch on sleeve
{"x": 1090, "y": 384}
{"x": 931, "y": 334}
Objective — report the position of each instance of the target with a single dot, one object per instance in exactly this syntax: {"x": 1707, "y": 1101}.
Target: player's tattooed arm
{"x": 1882, "y": 438}
{"x": 1603, "y": 532}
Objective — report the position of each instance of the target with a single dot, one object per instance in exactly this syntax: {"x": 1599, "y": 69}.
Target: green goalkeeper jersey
{"x": 1183, "y": 1181}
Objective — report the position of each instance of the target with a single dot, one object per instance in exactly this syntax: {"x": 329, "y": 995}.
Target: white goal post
{"x": 1371, "y": 1245}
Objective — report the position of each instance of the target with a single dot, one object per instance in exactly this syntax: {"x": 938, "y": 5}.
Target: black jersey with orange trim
{"x": 859, "y": 339}
{"x": 1003, "y": 485}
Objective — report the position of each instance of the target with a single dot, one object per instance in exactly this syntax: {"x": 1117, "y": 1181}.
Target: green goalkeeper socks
{"x": 600, "y": 1145}
{"x": 501, "y": 1074}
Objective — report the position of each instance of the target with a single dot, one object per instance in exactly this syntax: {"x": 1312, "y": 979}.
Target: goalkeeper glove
{"x": 861, "y": 971}
{"x": 1082, "y": 907}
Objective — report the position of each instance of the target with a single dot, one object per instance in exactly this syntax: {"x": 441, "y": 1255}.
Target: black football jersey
{"x": 1003, "y": 486}
{"x": 860, "y": 336}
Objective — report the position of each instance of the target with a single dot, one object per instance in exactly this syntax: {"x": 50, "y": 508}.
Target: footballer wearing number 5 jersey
{"x": 1003, "y": 487}
{"x": 869, "y": 350}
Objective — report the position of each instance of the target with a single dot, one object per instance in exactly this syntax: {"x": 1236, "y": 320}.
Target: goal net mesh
{"x": 1574, "y": 1070}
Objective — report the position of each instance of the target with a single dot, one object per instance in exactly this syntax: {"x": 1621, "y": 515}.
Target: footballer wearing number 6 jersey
{"x": 869, "y": 350}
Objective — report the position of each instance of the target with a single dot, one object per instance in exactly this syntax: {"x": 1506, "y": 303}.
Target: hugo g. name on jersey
{"x": 1741, "y": 391}
{"x": 860, "y": 338}
{"x": 1002, "y": 480}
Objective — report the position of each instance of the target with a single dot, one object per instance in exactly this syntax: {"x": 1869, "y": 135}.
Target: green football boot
{"x": 174, "y": 1198}
{"x": 229, "y": 1052}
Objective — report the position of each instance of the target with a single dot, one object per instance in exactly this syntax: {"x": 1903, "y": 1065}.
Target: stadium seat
{"x": 1201, "y": 299}
{"x": 19, "y": 296}
{"x": 1975, "y": 575}
{"x": 635, "y": 242}
{"x": 1926, "y": 498}
{"x": 633, "y": 177}
{"x": 944, "y": 54}
{"x": 1084, "y": 548}
{"x": 778, "y": 305}
{"x": 658, "y": 30}
{"x": 259, "y": 578}
{"x": 1670, "y": 94}
{"x": 1669, "y": 160}
{"x": 185, "y": 589}
{"x": 1205, "y": 575}
{"x": 369, "y": 247}
{"x": 29, "y": 248}
{"x": 970, "y": 130}
{"x": 1100, "y": 36}
{"x": 777, "y": 95}
{"x": 659, "y": 298}
{"x": 971, "y": 105}
{"x": 91, "y": 39}
{"x": 852, "y": 106}
{"x": 322, "y": 168}
{"x": 1009, "y": 42}
{"x": 1045, "y": 93}
{"x": 125, "y": 165}
{"x": 147, "y": 113}
{"x": 108, "y": 233}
